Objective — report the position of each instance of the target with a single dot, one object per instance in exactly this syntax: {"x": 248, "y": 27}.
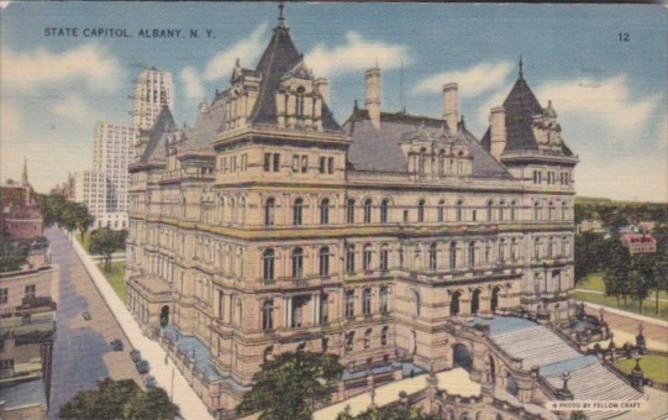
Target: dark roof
{"x": 278, "y": 59}
{"x": 521, "y": 105}
{"x": 380, "y": 150}
{"x": 29, "y": 393}
{"x": 155, "y": 149}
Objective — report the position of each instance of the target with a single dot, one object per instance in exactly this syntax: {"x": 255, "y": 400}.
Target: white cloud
{"x": 247, "y": 50}
{"x": 89, "y": 63}
{"x": 607, "y": 102}
{"x": 73, "y": 108}
{"x": 4, "y": 4}
{"x": 192, "y": 83}
{"x": 355, "y": 55}
{"x": 472, "y": 82}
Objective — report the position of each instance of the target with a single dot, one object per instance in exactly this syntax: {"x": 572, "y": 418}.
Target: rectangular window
{"x": 30, "y": 291}
{"x": 304, "y": 164}
{"x": 4, "y": 296}
{"x": 350, "y": 303}
{"x": 277, "y": 162}
{"x": 295, "y": 163}
{"x": 267, "y": 162}
{"x": 323, "y": 162}
{"x": 330, "y": 165}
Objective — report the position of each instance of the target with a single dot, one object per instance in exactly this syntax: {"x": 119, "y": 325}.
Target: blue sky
{"x": 610, "y": 95}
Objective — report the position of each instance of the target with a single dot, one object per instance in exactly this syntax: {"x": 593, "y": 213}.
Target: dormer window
{"x": 300, "y": 102}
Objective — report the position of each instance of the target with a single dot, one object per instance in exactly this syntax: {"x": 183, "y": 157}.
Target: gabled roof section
{"x": 279, "y": 58}
{"x": 380, "y": 149}
{"x": 155, "y": 148}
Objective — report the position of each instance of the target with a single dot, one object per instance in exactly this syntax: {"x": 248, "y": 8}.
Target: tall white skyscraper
{"x": 154, "y": 88}
{"x": 104, "y": 189}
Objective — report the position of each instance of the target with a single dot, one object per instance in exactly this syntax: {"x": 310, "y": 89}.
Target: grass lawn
{"x": 647, "y": 310}
{"x": 594, "y": 281}
{"x": 86, "y": 240}
{"x": 115, "y": 278}
{"x": 653, "y": 366}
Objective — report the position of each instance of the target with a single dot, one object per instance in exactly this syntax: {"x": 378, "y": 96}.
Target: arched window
{"x": 269, "y": 211}
{"x": 460, "y": 211}
{"x": 537, "y": 209}
{"x": 550, "y": 211}
{"x": 423, "y": 161}
{"x": 441, "y": 211}
{"x": 367, "y": 339}
{"x": 384, "y": 209}
{"x": 297, "y": 263}
{"x": 490, "y": 210}
{"x": 268, "y": 353}
{"x": 383, "y": 335}
{"x": 454, "y": 303}
{"x": 384, "y": 299}
{"x": 350, "y": 259}
{"x": 367, "y": 210}
{"x": 513, "y": 211}
{"x": 502, "y": 251}
{"x": 350, "y": 211}
{"x": 366, "y": 257}
{"x": 268, "y": 262}
{"x": 297, "y": 210}
{"x": 513, "y": 250}
{"x": 441, "y": 163}
{"x": 300, "y": 102}
{"x": 267, "y": 314}
{"x": 433, "y": 260}
{"x": 453, "y": 255}
{"x": 324, "y": 211}
{"x": 350, "y": 303}
{"x": 551, "y": 245}
{"x": 415, "y": 300}
{"x": 384, "y": 257}
{"x": 366, "y": 301}
{"x": 350, "y": 341}
{"x": 475, "y": 301}
{"x": 501, "y": 210}
{"x": 564, "y": 210}
{"x": 324, "y": 261}
{"x": 471, "y": 254}
{"x": 536, "y": 248}
{"x": 421, "y": 211}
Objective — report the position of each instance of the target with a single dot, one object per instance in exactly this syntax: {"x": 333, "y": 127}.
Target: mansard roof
{"x": 521, "y": 106}
{"x": 280, "y": 58}
{"x": 380, "y": 150}
{"x": 155, "y": 148}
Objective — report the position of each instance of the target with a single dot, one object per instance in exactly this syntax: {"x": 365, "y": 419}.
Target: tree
{"x": 152, "y": 404}
{"x": 660, "y": 269}
{"x": 104, "y": 242}
{"x": 289, "y": 386}
{"x": 617, "y": 267}
{"x": 399, "y": 412}
{"x": 641, "y": 277}
{"x": 119, "y": 400}
{"x": 84, "y": 220}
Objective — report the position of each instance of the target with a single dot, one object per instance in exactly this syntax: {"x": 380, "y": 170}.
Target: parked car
{"x": 135, "y": 355}
{"x": 142, "y": 367}
{"x": 86, "y": 316}
{"x": 149, "y": 381}
{"x": 117, "y": 345}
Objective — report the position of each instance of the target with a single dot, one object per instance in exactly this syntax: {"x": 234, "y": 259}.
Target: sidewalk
{"x": 627, "y": 314}
{"x": 167, "y": 376}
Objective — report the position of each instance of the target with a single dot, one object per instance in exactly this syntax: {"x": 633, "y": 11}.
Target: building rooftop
{"x": 22, "y": 394}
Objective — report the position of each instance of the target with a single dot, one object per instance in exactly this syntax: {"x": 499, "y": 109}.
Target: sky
{"x": 610, "y": 94}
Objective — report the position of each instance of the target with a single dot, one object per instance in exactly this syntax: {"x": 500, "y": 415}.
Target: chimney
{"x": 372, "y": 95}
{"x": 497, "y": 122}
{"x": 322, "y": 86}
{"x": 450, "y": 106}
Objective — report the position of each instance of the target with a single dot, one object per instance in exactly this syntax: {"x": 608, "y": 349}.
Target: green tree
{"x": 660, "y": 270}
{"x": 616, "y": 271}
{"x": 84, "y": 219}
{"x": 289, "y": 386}
{"x": 152, "y": 404}
{"x": 119, "y": 400}
{"x": 104, "y": 242}
{"x": 641, "y": 277}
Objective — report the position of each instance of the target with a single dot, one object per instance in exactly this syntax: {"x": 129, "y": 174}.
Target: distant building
{"x": 104, "y": 188}
{"x": 646, "y": 226}
{"x": 639, "y": 243}
{"x": 20, "y": 217}
{"x": 153, "y": 90}
{"x": 590, "y": 225}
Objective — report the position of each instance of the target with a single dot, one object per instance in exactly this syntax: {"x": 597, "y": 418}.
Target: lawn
{"x": 594, "y": 281}
{"x": 647, "y": 310}
{"x": 85, "y": 244}
{"x": 115, "y": 278}
{"x": 653, "y": 366}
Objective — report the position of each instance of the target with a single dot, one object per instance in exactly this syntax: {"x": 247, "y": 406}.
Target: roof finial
{"x": 521, "y": 72}
{"x": 281, "y": 18}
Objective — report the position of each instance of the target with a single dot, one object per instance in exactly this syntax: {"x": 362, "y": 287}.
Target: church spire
{"x": 521, "y": 68}
{"x": 24, "y": 176}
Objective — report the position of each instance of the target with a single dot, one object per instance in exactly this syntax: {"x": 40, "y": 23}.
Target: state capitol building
{"x": 268, "y": 226}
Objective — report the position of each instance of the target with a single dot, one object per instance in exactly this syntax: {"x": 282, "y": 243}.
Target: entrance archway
{"x": 454, "y": 304}
{"x": 164, "y": 316}
{"x": 461, "y": 356}
{"x": 475, "y": 302}
{"x": 494, "y": 301}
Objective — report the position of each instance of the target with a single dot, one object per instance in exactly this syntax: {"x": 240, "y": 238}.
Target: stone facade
{"x": 268, "y": 227}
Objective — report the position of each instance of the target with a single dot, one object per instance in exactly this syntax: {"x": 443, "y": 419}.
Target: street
{"x": 82, "y": 354}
